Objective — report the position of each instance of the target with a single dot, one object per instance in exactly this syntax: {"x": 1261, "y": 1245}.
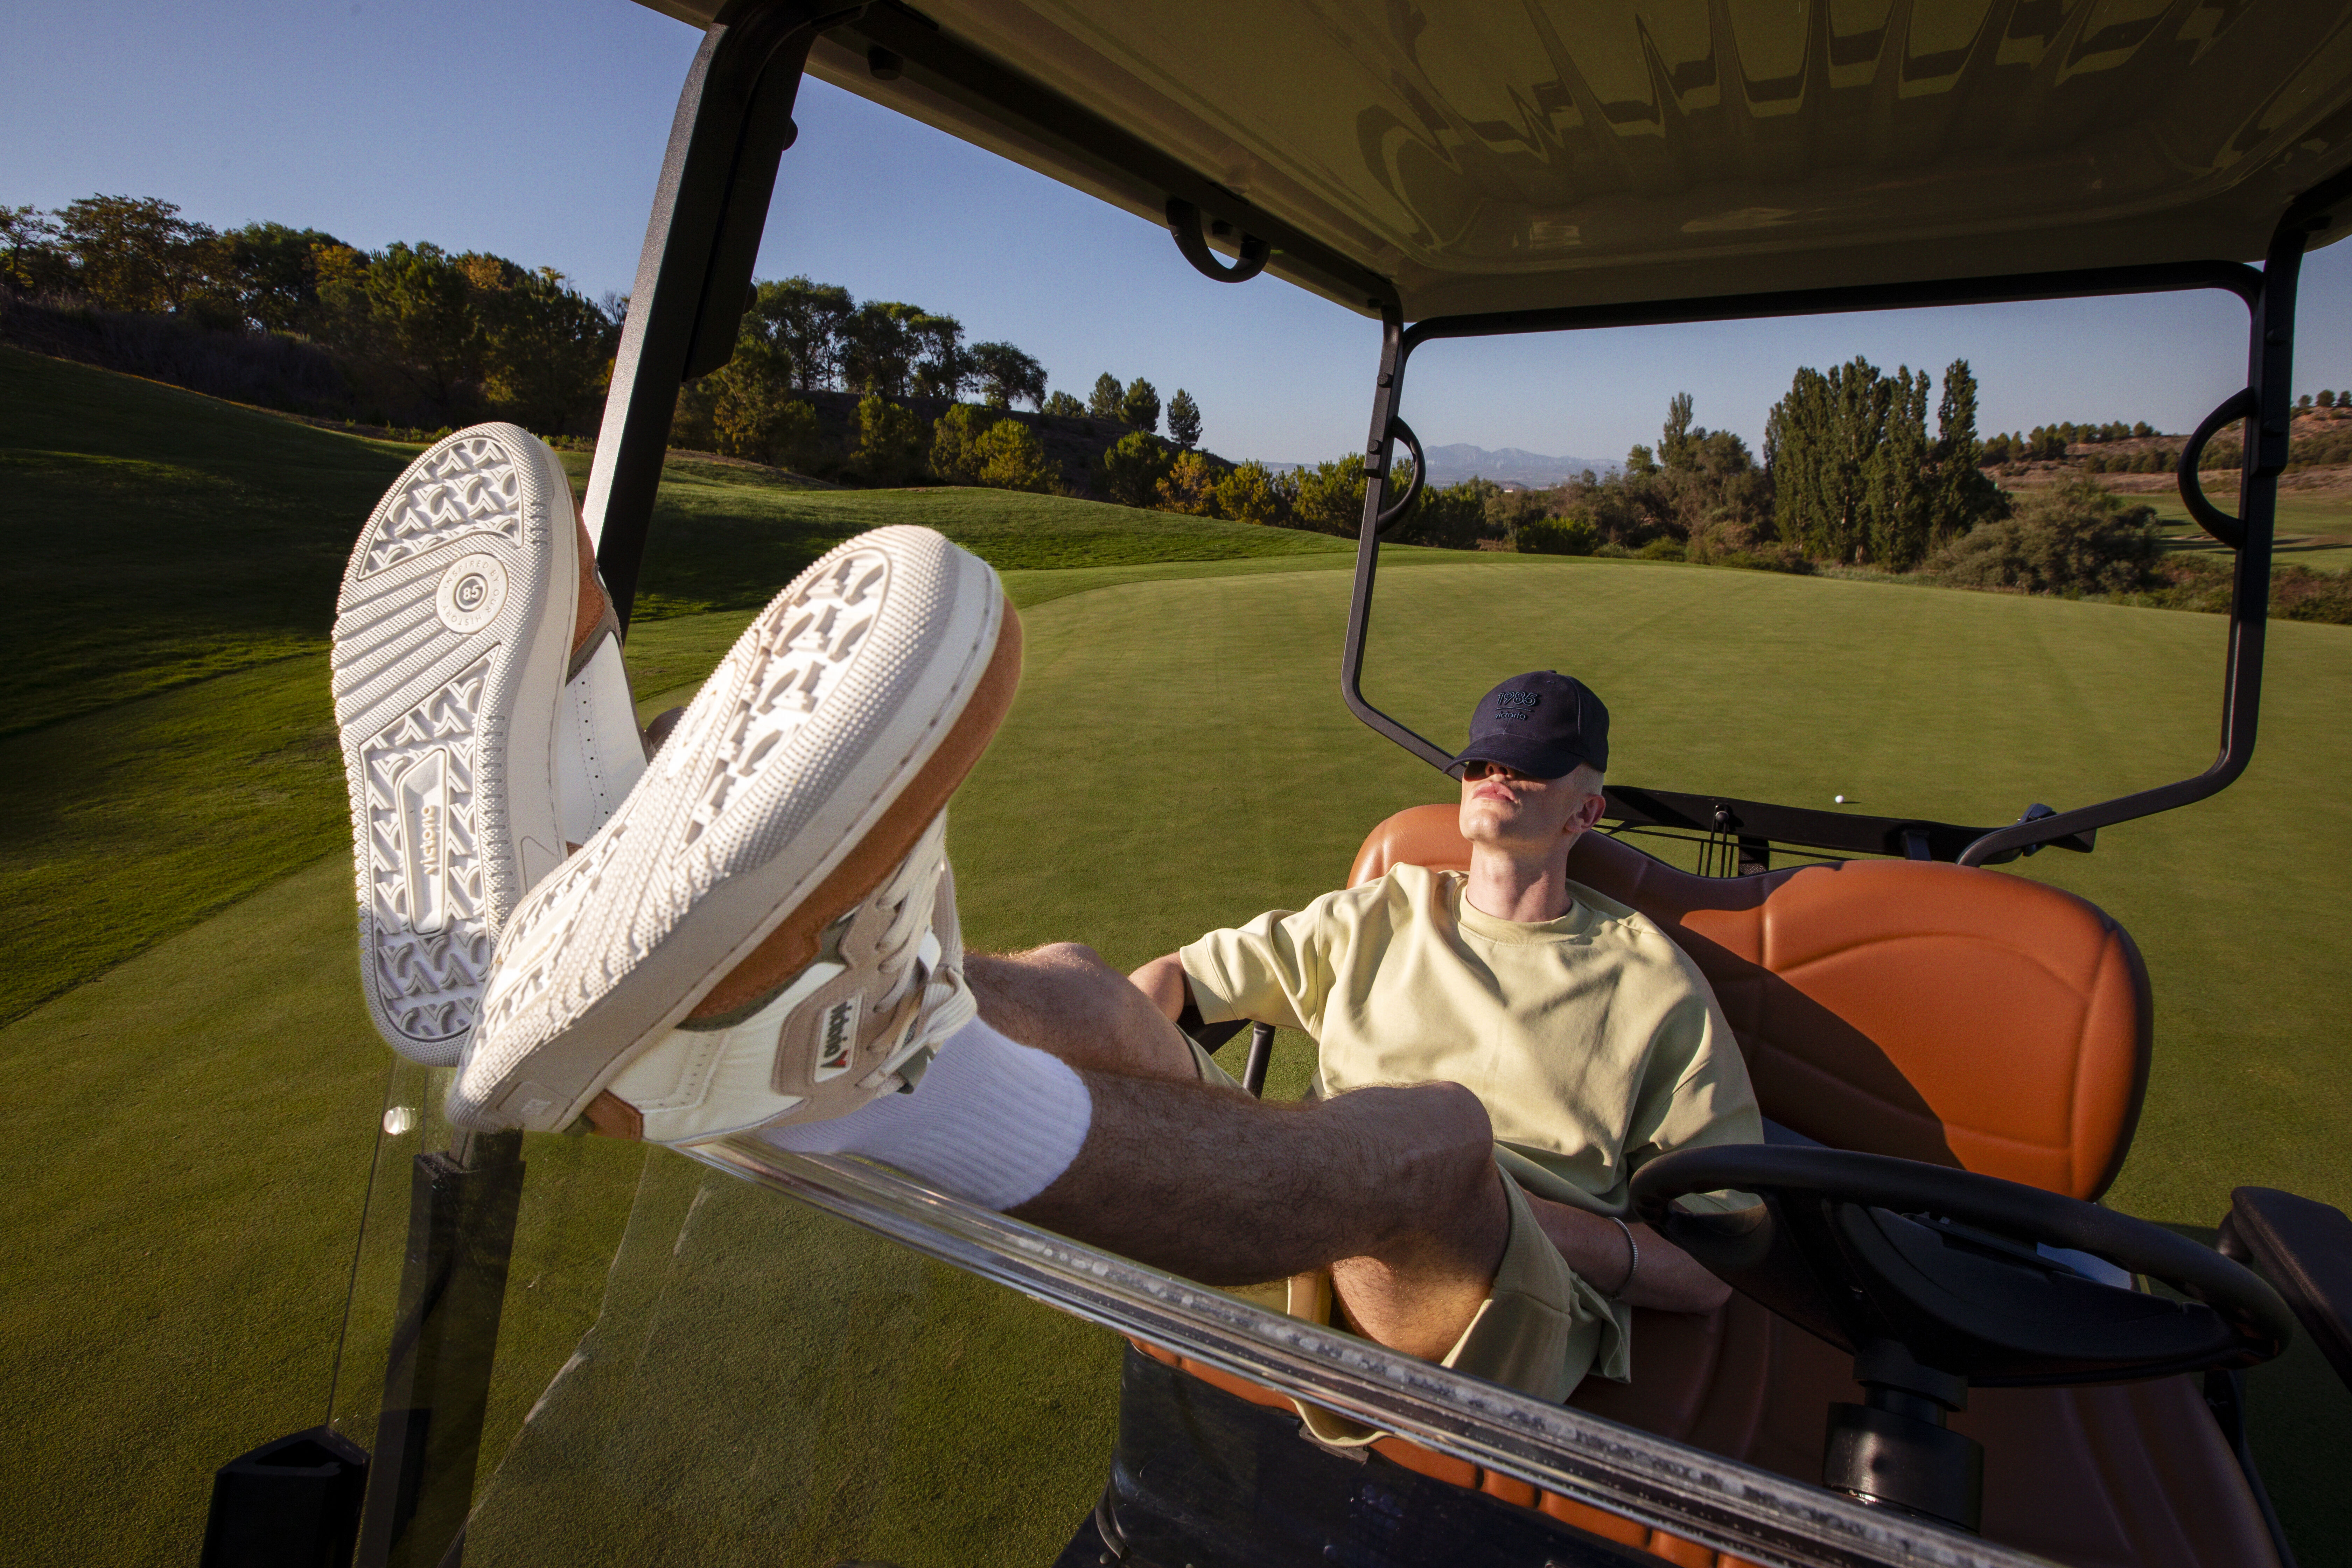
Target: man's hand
{"x": 1162, "y": 981}
{"x": 1668, "y": 1279}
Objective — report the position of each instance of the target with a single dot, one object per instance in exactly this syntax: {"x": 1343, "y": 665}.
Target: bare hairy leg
{"x": 1397, "y": 1186}
{"x": 1394, "y": 1189}
{"x": 1064, "y": 999}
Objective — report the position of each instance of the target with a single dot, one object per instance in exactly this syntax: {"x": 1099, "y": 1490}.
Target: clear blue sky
{"x": 535, "y": 129}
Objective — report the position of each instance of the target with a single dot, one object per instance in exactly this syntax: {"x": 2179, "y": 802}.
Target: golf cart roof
{"x": 1462, "y": 158}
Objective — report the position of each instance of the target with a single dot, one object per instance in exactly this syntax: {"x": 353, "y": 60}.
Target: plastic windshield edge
{"x": 1738, "y": 1508}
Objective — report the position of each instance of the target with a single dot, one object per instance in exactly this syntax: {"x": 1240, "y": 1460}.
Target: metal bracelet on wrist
{"x": 1632, "y": 1258}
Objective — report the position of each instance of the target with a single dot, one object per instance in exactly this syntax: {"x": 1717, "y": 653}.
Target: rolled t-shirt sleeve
{"x": 1274, "y": 969}
{"x": 1695, "y": 1093}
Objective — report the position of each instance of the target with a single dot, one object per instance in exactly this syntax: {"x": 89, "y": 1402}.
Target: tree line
{"x": 1849, "y": 473}
{"x": 800, "y": 339}
{"x": 415, "y": 336}
{"x": 418, "y": 335}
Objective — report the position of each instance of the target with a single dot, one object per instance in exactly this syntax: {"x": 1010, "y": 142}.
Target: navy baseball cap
{"x": 1542, "y": 724}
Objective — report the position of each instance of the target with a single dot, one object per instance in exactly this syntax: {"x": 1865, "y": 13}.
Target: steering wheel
{"x": 1932, "y": 1278}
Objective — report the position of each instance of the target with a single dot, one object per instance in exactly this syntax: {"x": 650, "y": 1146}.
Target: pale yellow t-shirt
{"x": 1595, "y": 1044}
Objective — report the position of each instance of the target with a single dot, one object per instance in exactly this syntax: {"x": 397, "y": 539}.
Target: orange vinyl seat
{"x": 1956, "y": 1015}
{"x": 1939, "y": 1013}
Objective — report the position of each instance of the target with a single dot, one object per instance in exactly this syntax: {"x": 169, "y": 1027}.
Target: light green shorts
{"x": 1211, "y": 1073}
{"x": 1539, "y": 1330}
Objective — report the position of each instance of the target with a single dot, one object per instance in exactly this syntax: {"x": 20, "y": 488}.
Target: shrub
{"x": 1012, "y": 458}
{"x": 1728, "y": 541}
{"x": 2299, "y": 593}
{"x": 754, "y": 417}
{"x": 798, "y": 439}
{"x": 2203, "y": 582}
{"x": 273, "y": 371}
{"x": 1452, "y": 517}
{"x": 1252, "y": 492}
{"x": 2074, "y": 538}
{"x": 1190, "y": 487}
{"x": 1330, "y": 497}
{"x": 1558, "y": 536}
{"x": 1133, "y": 469}
{"x": 889, "y": 441}
{"x": 1664, "y": 550}
{"x": 1508, "y": 510}
{"x": 955, "y": 445}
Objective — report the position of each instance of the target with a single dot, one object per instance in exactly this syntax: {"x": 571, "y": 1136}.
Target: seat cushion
{"x": 1940, "y": 1012}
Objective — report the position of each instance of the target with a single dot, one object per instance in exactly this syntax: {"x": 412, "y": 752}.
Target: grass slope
{"x": 727, "y": 537}
{"x": 156, "y": 536}
{"x": 2312, "y": 530}
{"x": 158, "y": 539}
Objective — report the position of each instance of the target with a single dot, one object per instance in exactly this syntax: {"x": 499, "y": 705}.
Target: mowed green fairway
{"x": 2313, "y": 527}
{"x": 188, "y": 1137}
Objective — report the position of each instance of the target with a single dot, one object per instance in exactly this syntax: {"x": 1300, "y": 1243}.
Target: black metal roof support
{"x": 2266, "y": 403}
{"x": 734, "y": 120}
{"x": 2270, "y": 366}
{"x": 1378, "y": 448}
{"x": 733, "y": 123}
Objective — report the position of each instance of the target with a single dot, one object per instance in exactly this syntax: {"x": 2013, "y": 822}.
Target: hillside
{"x": 2321, "y": 446}
{"x": 173, "y": 560}
{"x": 157, "y": 536}
{"x": 1453, "y": 463}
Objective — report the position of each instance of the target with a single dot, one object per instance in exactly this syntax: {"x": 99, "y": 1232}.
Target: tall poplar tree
{"x": 1855, "y": 477}
{"x": 1675, "y": 447}
{"x": 1895, "y": 531}
{"x": 1961, "y": 495}
{"x": 1821, "y": 440}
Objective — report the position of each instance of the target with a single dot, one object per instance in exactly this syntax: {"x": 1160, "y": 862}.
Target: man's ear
{"x": 1588, "y": 815}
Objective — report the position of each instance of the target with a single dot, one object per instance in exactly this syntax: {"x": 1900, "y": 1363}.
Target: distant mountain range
{"x": 1509, "y": 466}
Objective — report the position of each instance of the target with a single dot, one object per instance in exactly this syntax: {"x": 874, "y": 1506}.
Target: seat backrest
{"x": 1939, "y": 1013}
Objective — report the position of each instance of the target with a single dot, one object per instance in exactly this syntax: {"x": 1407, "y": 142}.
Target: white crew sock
{"x": 992, "y": 1121}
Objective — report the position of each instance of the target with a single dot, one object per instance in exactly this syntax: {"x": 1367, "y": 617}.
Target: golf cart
{"x": 2006, "y": 1371}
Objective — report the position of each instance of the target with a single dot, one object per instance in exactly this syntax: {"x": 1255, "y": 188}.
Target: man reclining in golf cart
{"x": 756, "y": 936}
{"x": 1594, "y": 1044}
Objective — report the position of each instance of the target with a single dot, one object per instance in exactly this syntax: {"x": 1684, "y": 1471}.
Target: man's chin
{"x": 1481, "y": 823}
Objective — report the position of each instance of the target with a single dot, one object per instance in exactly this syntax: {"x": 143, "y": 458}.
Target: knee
{"x": 1435, "y": 1138}
{"x": 1074, "y": 955}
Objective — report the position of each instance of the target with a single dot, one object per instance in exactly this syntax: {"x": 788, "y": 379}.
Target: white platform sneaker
{"x": 764, "y": 933}
{"x": 485, "y": 717}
